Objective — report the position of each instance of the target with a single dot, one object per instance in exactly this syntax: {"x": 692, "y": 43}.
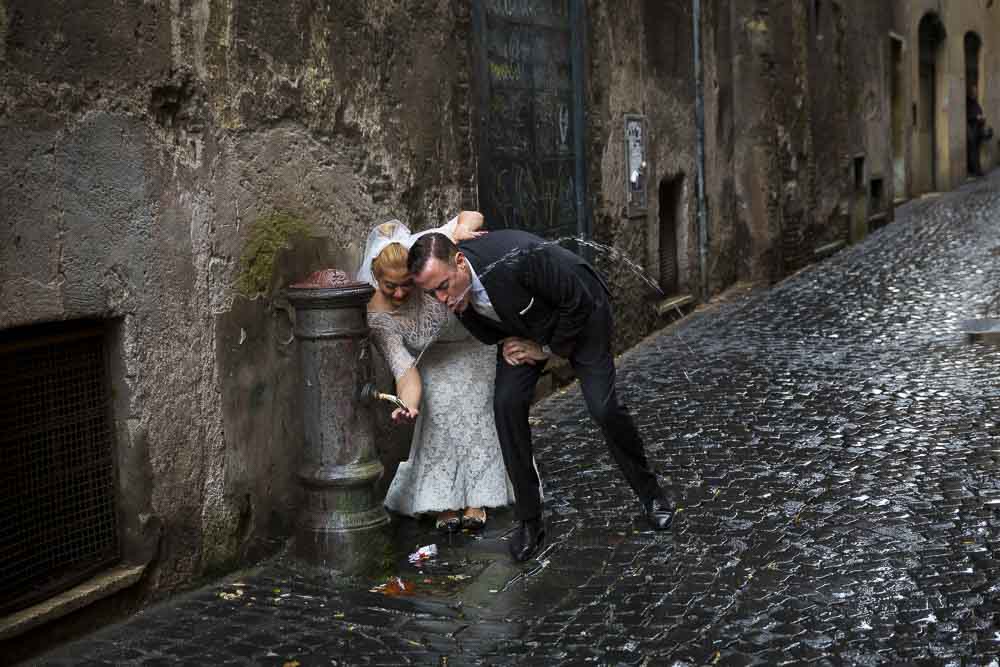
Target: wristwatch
{"x": 547, "y": 350}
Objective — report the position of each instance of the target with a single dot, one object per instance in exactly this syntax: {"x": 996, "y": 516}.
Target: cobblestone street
{"x": 833, "y": 445}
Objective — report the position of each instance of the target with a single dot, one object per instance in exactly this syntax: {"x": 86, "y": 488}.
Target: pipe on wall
{"x": 699, "y": 120}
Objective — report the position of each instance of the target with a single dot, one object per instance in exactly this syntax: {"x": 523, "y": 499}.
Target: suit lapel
{"x": 499, "y": 284}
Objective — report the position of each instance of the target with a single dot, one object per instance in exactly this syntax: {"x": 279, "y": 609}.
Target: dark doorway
{"x": 876, "y": 196}
{"x": 931, "y": 36}
{"x": 859, "y": 207}
{"x": 529, "y": 82}
{"x": 973, "y": 46}
{"x": 973, "y": 129}
{"x": 671, "y": 213}
{"x": 896, "y": 78}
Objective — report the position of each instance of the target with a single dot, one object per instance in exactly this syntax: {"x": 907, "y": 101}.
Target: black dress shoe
{"x": 526, "y": 540}
{"x": 659, "y": 513}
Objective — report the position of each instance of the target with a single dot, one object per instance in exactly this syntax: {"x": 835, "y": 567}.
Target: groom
{"x": 535, "y": 298}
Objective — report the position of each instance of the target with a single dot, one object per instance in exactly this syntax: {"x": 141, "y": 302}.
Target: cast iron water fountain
{"x": 342, "y": 522}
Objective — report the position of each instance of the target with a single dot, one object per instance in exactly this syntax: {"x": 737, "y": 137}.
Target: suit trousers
{"x": 594, "y": 366}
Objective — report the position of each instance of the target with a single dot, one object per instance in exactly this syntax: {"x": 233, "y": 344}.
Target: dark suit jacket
{"x": 540, "y": 293}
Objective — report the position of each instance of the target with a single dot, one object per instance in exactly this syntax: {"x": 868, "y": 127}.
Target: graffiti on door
{"x": 529, "y": 131}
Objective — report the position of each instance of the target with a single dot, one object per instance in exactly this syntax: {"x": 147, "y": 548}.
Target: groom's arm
{"x": 478, "y": 327}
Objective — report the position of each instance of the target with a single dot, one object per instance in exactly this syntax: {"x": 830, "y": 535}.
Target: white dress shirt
{"x": 480, "y": 299}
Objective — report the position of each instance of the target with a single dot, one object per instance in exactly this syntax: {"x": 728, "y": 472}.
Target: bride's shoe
{"x": 474, "y": 518}
{"x": 448, "y": 521}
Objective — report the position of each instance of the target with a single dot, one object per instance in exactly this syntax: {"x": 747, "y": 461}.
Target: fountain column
{"x": 341, "y": 524}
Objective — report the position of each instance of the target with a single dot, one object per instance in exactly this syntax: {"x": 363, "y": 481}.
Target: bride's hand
{"x": 401, "y": 416}
{"x": 466, "y": 235}
{"x": 468, "y": 225}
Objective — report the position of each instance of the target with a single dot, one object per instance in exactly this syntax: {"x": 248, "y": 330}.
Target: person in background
{"x": 975, "y": 130}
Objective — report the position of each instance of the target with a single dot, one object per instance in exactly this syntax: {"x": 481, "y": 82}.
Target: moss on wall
{"x": 268, "y": 236}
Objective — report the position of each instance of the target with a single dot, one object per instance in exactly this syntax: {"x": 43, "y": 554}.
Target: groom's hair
{"x": 434, "y": 245}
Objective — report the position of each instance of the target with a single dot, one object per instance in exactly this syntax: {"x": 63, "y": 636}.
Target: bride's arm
{"x": 409, "y": 389}
{"x": 386, "y": 334}
{"x": 463, "y": 227}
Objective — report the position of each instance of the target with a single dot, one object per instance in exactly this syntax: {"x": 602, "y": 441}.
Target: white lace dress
{"x": 455, "y": 460}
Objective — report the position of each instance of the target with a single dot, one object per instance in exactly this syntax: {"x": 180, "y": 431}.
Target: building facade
{"x": 169, "y": 166}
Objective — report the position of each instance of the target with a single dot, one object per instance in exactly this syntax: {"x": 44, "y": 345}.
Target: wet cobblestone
{"x": 832, "y": 442}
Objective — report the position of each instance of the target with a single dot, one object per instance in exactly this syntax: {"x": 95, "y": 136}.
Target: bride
{"x": 455, "y": 468}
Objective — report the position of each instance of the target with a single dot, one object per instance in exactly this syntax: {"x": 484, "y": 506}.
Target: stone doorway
{"x": 973, "y": 48}
{"x": 898, "y": 110}
{"x": 927, "y": 161}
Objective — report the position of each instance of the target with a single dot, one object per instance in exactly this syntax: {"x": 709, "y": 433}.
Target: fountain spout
{"x": 371, "y": 394}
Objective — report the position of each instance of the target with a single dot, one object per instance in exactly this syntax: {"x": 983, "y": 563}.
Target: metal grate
{"x": 57, "y": 473}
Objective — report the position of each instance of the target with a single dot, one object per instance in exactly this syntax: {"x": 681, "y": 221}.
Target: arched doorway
{"x": 973, "y": 47}
{"x": 927, "y": 167}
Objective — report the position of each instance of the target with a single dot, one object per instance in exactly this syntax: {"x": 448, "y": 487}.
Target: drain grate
{"x": 57, "y": 473}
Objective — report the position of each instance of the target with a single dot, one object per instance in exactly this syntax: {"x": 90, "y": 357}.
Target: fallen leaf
{"x": 395, "y": 586}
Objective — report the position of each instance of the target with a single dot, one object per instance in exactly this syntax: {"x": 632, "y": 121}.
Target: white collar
{"x": 476, "y": 283}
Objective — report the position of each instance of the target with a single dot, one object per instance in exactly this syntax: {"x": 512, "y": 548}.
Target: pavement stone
{"x": 833, "y": 445}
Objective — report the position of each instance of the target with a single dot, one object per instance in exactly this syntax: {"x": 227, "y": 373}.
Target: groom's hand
{"x": 517, "y": 351}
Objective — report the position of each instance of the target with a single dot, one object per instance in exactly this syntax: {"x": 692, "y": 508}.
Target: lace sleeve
{"x": 448, "y": 229}
{"x": 389, "y": 341}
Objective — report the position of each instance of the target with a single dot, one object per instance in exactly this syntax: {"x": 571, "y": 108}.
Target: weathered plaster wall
{"x": 141, "y": 141}
{"x": 850, "y": 103}
{"x": 640, "y": 62}
{"x": 796, "y": 102}
{"x": 729, "y": 231}
{"x": 756, "y": 221}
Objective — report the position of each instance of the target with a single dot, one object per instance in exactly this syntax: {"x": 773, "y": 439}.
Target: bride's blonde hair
{"x": 392, "y": 257}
